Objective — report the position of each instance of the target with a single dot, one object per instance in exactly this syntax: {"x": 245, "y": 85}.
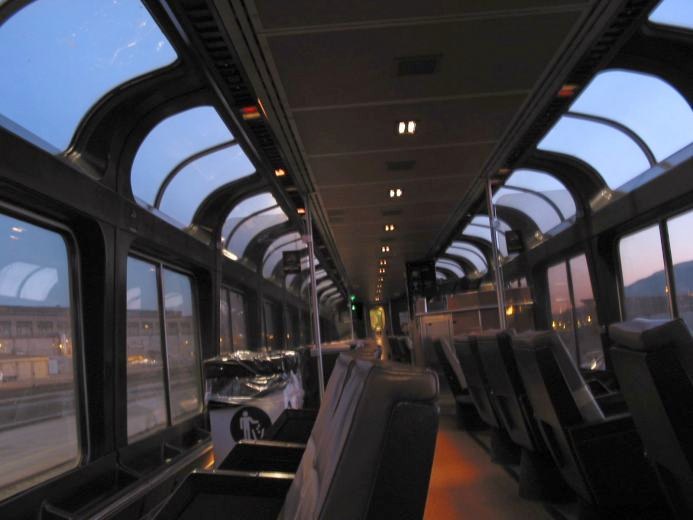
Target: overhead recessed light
{"x": 389, "y": 227}
{"x": 385, "y": 249}
{"x": 395, "y": 193}
{"x": 406, "y": 127}
{"x": 301, "y": 211}
{"x": 280, "y": 172}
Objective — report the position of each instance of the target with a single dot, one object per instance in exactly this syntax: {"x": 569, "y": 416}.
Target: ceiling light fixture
{"x": 406, "y": 127}
{"x": 385, "y": 249}
{"x": 301, "y": 211}
{"x": 395, "y": 193}
{"x": 280, "y": 172}
{"x": 389, "y": 227}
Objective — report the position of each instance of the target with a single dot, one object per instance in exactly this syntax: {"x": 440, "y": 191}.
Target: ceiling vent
{"x": 398, "y": 166}
{"x": 417, "y": 65}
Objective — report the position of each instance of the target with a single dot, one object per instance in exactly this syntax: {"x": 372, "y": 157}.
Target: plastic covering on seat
{"x": 242, "y": 375}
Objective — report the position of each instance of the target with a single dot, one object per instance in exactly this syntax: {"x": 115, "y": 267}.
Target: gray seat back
{"x": 468, "y": 356}
{"x": 653, "y": 361}
{"x": 359, "y": 462}
{"x": 507, "y": 390}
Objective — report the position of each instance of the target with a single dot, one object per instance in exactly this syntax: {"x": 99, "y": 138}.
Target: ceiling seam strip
{"x": 423, "y": 20}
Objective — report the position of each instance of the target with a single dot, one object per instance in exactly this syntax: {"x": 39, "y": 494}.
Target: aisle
{"x": 465, "y": 484}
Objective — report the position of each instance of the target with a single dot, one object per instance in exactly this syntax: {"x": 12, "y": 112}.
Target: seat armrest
{"x": 237, "y": 487}
{"x": 611, "y": 455}
{"x": 293, "y": 425}
{"x": 612, "y": 403}
{"x": 264, "y": 455}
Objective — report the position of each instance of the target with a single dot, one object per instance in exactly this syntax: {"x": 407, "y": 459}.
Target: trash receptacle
{"x": 246, "y": 392}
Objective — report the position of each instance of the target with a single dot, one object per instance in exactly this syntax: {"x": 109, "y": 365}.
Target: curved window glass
{"x": 328, "y": 293}
{"x": 451, "y": 266}
{"x": 470, "y": 252}
{"x": 609, "y": 151}
{"x": 648, "y": 106}
{"x": 675, "y": 13}
{"x": 321, "y": 286}
{"x": 193, "y": 183}
{"x": 545, "y": 186}
{"x": 61, "y": 57}
{"x": 319, "y": 274}
{"x": 290, "y": 279}
{"x": 541, "y": 212}
{"x": 479, "y": 227}
{"x": 274, "y": 254}
{"x": 249, "y": 218}
{"x": 334, "y": 299}
{"x": 183, "y": 160}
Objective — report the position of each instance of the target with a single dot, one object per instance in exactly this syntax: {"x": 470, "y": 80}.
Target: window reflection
{"x": 585, "y": 309}
{"x": 238, "y": 320}
{"x": 272, "y": 322}
{"x": 450, "y": 266}
{"x": 225, "y": 345}
{"x": 146, "y": 393}
{"x": 645, "y": 290}
{"x": 182, "y": 347}
{"x": 562, "y": 306}
{"x": 679, "y": 229}
{"x": 39, "y": 435}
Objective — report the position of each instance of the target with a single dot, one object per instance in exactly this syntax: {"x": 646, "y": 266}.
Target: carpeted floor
{"x": 465, "y": 484}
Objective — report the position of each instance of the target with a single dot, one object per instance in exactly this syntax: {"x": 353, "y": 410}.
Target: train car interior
{"x": 346, "y": 260}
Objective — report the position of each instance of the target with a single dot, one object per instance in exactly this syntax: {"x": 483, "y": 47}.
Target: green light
{"x": 353, "y": 307}
{"x": 353, "y": 297}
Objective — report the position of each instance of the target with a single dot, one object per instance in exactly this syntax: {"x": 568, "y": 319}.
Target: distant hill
{"x": 654, "y": 283}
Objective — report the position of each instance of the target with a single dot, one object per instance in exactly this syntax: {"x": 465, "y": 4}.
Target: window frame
{"x": 565, "y": 261}
{"x": 82, "y": 405}
{"x": 160, "y": 266}
{"x": 661, "y": 224}
{"x": 68, "y": 155}
{"x": 229, "y": 289}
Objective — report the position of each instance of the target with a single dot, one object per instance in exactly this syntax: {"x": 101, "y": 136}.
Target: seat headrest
{"x": 648, "y": 335}
{"x": 584, "y": 400}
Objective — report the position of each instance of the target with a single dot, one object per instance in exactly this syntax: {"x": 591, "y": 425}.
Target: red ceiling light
{"x": 568, "y": 90}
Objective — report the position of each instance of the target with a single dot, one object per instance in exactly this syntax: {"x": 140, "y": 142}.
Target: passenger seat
{"x": 368, "y": 457}
{"x": 600, "y": 457}
{"x": 653, "y": 360}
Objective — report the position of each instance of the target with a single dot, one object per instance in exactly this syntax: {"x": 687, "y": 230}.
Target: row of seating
{"x": 368, "y": 455}
{"x": 573, "y": 437}
{"x": 400, "y": 349}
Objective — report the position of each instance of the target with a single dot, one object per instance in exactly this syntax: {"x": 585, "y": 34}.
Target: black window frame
{"x": 571, "y": 292}
{"x": 229, "y": 289}
{"x": 84, "y": 441}
{"x": 160, "y": 266}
